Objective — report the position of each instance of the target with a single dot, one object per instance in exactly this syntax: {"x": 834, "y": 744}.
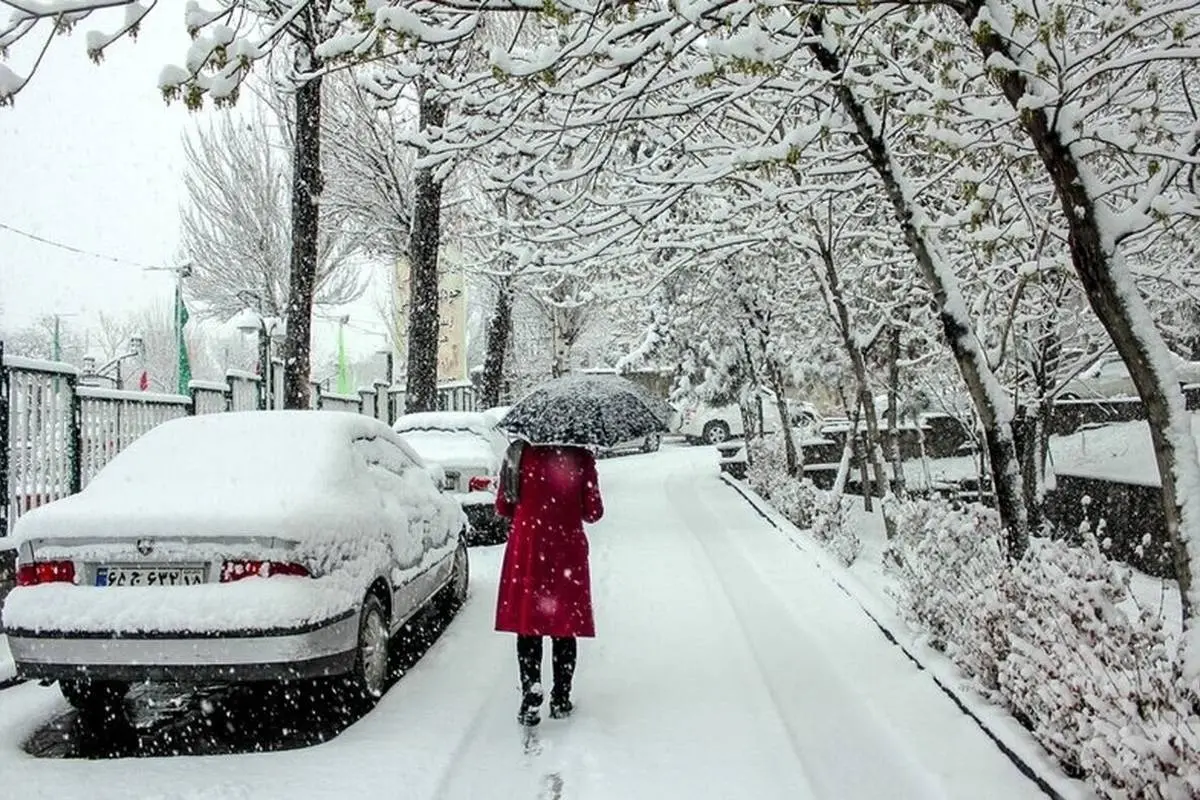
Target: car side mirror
{"x": 436, "y": 474}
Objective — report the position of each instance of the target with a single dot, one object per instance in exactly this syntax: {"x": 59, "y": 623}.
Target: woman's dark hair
{"x": 510, "y": 471}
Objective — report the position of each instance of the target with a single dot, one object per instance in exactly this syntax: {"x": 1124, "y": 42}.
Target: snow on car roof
{"x": 263, "y": 446}
{"x": 278, "y": 472}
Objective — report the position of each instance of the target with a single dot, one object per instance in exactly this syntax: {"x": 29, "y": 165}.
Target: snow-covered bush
{"x": 950, "y": 561}
{"x": 1057, "y": 638}
{"x": 1098, "y": 686}
{"x": 804, "y": 505}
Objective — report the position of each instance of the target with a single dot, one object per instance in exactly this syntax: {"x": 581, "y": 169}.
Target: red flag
{"x": 144, "y": 381}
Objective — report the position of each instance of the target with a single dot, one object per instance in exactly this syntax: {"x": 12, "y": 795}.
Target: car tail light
{"x": 46, "y": 572}
{"x": 480, "y": 483}
{"x": 237, "y": 569}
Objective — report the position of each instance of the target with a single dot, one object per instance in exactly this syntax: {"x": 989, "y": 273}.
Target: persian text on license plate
{"x": 149, "y": 576}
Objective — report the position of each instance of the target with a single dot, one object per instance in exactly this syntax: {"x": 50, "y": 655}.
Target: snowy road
{"x": 727, "y": 666}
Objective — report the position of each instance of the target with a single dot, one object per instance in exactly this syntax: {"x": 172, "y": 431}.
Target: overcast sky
{"x": 91, "y": 156}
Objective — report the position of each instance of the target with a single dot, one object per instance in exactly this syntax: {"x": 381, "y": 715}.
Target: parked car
{"x": 650, "y": 443}
{"x": 1109, "y": 377}
{"x": 709, "y": 424}
{"x": 232, "y": 548}
{"x": 468, "y": 449}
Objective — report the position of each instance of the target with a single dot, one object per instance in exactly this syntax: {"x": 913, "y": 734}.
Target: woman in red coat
{"x": 545, "y": 587}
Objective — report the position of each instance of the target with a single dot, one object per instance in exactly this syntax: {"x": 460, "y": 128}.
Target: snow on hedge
{"x": 804, "y": 505}
{"x": 1059, "y": 639}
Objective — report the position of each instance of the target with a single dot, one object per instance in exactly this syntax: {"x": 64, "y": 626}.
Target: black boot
{"x": 531, "y": 706}
{"x": 565, "y": 654}
{"x": 560, "y": 706}
{"x": 529, "y": 659}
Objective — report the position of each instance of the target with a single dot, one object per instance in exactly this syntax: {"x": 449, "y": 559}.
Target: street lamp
{"x": 89, "y": 363}
{"x": 249, "y": 321}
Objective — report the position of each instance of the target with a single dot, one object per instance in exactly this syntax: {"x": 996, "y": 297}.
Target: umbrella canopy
{"x": 586, "y": 410}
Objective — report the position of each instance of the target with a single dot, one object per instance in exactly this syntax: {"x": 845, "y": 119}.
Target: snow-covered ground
{"x": 1118, "y": 452}
{"x": 728, "y": 665}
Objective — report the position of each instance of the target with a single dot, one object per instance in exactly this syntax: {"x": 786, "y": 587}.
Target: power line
{"x": 72, "y": 249}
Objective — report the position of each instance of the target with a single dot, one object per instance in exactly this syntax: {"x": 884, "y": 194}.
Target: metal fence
{"x": 56, "y": 434}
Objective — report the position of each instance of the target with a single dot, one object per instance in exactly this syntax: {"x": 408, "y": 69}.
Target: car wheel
{"x": 369, "y": 677}
{"x": 716, "y": 432}
{"x": 460, "y": 581}
{"x": 96, "y": 699}
{"x": 652, "y": 443}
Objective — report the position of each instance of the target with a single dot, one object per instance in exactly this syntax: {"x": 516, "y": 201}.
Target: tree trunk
{"x": 986, "y": 393}
{"x": 561, "y": 363}
{"x": 1121, "y": 310}
{"x": 423, "y": 244}
{"x": 1029, "y": 431}
{"x": 866, "y": 402}
{"x": 498, "y": 333}
{"x": 795, "y": 460}
{"x": 306, "y": 215}
{"x": 893, "y": 411}
{"x": 843, "y": 473}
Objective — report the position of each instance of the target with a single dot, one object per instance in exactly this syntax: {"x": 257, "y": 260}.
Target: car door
{"x": 405, "y": 545}
{"x": 412, "y": 478}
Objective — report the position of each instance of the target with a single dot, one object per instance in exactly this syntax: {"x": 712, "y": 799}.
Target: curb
{"x": 1027, "y": 769}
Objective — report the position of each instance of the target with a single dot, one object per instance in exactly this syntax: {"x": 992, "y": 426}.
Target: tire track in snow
{"x": 691, "y": 507}
{"x": 827, "y": 640}
{"x": 657, "y": 531}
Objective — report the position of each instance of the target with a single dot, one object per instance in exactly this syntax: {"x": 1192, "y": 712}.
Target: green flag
{"x": 184, "y": 366}
{"x": 343, "y": 369}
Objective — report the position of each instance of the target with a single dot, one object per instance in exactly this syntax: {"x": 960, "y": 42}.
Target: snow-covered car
{"x": 1109, "y": 377}
{"x": 468, "y": 449}
{"x": 700, "y": 422}
{"x": 264, "y": 545}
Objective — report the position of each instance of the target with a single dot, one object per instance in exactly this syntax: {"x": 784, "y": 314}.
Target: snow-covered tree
{"x": 235, "y": 227}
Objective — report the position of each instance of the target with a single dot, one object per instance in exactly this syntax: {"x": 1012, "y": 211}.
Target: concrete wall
{"x": 1131, "y": 513}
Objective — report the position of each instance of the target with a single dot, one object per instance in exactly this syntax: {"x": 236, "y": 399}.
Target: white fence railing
{"x": 57, "y": 434}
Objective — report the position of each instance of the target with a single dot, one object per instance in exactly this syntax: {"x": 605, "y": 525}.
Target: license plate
{"x": 149, "y": 576}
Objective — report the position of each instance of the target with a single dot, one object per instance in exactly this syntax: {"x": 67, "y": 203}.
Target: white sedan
{"x": 267, "y": 545}
{"x": 468, "y": 449}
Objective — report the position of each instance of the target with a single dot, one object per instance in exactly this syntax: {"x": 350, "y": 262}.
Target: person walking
{"x": 549, "y": 491}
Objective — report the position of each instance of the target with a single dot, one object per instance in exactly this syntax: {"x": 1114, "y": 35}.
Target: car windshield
{"x": 448, "y": 446}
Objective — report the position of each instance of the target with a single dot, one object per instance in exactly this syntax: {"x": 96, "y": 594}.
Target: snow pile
{"x": 1059, "y": 640}
{"x": 821, "y": 513}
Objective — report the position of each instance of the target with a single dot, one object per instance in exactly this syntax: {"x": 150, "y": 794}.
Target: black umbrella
{"x": 586, "y": 410}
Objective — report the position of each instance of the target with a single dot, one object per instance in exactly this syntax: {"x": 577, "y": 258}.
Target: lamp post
{"x": 249, "y": 321}
{"x": 89, "y": 364}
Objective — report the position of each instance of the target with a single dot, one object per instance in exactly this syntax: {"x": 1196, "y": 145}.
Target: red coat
{"x": 545, "y": 586}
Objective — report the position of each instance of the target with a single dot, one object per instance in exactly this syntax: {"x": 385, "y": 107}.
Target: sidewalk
{"x": 868, "y": 586}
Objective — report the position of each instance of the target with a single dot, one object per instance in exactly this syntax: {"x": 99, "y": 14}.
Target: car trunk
{"x": 152, "y": 561}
